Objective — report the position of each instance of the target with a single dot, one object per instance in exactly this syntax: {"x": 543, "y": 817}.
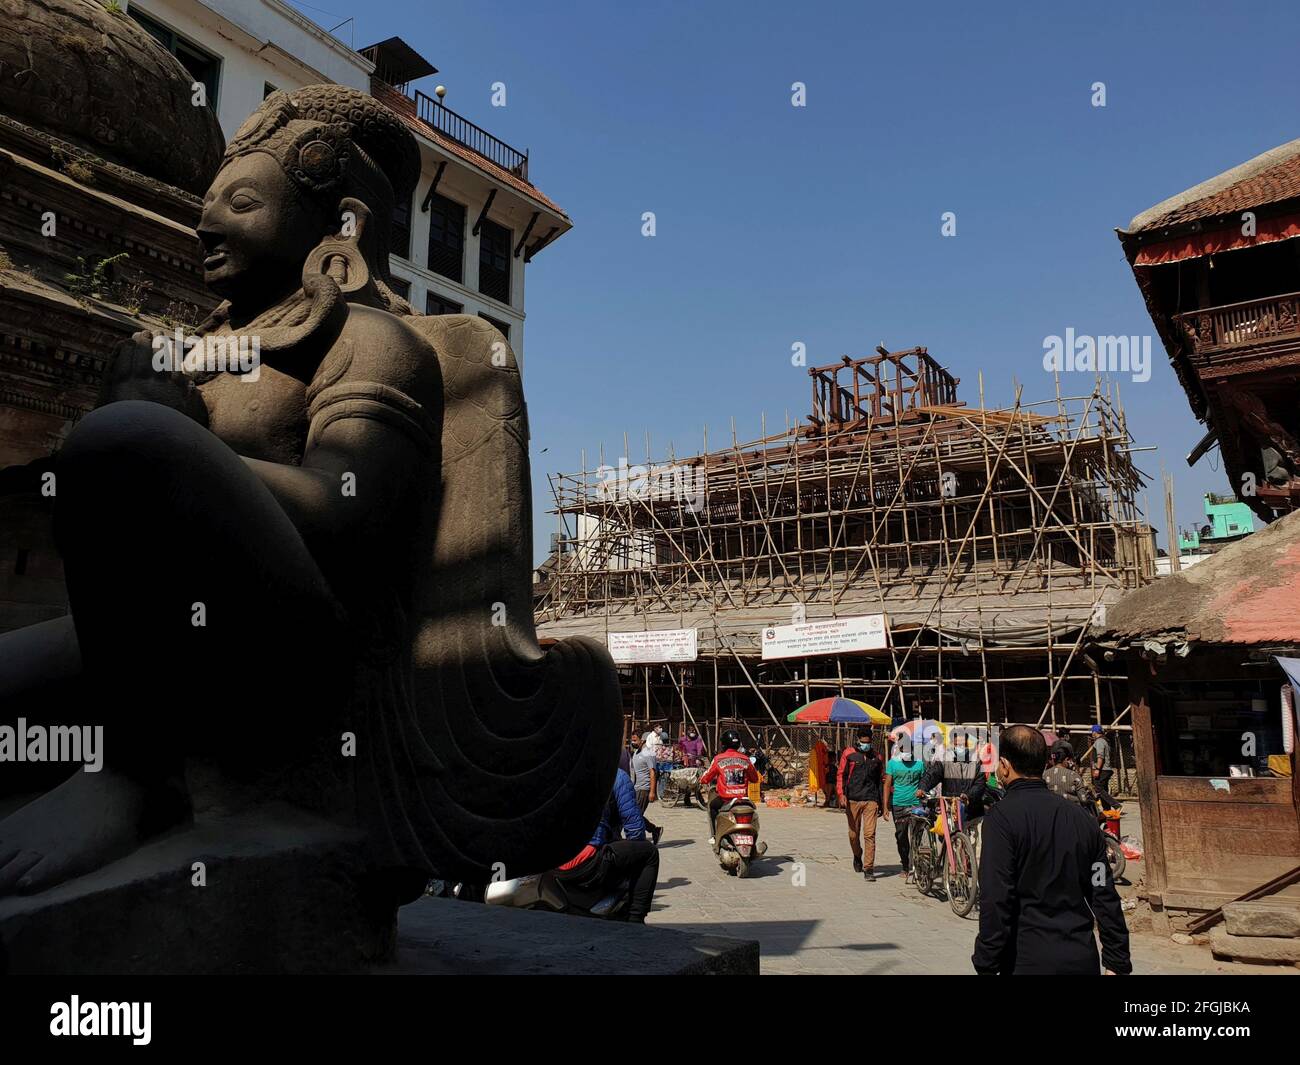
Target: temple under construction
{"x": 977, "y": 543}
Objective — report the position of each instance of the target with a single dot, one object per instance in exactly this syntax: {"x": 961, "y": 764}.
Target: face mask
{"x": 864, "y": 746}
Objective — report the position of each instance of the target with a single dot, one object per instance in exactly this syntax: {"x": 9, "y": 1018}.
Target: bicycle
{"x": 939, "y": 852}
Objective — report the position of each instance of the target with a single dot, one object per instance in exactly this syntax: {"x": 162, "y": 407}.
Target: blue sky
{"x": 821, "y": 224}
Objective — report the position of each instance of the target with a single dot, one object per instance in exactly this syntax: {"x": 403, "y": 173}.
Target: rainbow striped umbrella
{"x": 836, "y": 708}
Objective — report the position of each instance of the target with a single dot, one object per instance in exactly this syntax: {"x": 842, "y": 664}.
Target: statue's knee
{"x": 124, "y": 431}
{"x": 121, "y": 455}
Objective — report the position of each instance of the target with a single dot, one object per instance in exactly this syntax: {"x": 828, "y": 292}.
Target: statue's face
{"x": 256, "y": 231}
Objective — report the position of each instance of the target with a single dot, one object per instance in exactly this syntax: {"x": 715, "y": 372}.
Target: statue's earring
{"x": 339, "y": 257}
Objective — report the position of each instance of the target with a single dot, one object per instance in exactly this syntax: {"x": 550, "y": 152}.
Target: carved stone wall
{"x": 101, "y": 153}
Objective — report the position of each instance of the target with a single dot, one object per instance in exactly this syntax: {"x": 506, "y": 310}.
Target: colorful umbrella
{"x": 835, "y": 708}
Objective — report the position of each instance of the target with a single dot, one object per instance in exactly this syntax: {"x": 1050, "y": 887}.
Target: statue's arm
{"x": 375, "y": 434}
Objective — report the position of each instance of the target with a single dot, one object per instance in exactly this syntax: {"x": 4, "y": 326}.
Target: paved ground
{"x": 812, "y": 914}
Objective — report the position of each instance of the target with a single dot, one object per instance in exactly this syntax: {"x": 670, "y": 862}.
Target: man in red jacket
{"x": 860, "y": 785}
{"x": 733, "y": 771}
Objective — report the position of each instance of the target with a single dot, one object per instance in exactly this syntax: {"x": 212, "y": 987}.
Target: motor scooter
{"x": 1109, "y": 820}
{"x": 735, "y": 836}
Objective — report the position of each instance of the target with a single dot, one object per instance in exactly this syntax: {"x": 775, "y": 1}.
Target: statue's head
{"x": 319, "y": 167}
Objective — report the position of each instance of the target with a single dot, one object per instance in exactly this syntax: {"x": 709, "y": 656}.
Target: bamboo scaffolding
{"x": 987, "y": 536}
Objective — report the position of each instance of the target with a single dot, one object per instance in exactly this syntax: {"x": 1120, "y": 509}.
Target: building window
{"x": 399, "y": 240}
{"x": 435, "y": 303}
{"x": 494, "y": 261}
{"x": 400, "y": 285}
{"x": 502, "y": 327}
{"x": 447, "y": 238}
{"x": 203, "y": 66}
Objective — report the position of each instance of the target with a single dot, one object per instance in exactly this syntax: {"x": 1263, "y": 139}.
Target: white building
{"x": 475, "y": 220}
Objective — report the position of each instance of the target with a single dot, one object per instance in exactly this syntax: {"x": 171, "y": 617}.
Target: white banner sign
{"x": 828, "y": 636}
{"x": 659, "y": 645}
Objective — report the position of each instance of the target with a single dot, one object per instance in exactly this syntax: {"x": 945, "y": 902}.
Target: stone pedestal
{"x": 448, "y": 937}
{"x": 285, "y": 893}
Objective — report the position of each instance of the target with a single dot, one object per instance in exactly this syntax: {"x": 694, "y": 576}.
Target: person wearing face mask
{"x": 957, "y": 767}
{"x": 645, "y": 781}
{"x": 693, "y": 755}
{"x": 861, "y": 779}
{"x": 903, "y": 774}
{"x": 692, "y": 748}
{"x": 650, "y": 740}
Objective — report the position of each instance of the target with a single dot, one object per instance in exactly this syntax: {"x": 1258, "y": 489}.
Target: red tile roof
{"x": 1269, "y": 178}
{"x": 404, "y": 107}
{"x": 1246, "y": 594}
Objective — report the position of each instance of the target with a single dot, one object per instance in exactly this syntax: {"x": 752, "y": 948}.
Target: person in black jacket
{"x": 1044, "y": 878}
{"x": 958, "y": 768}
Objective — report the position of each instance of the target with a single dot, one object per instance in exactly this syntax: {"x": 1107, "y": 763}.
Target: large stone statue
{"x": 309, "y": 573}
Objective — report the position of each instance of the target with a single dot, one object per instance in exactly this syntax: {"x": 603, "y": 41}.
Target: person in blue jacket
{"x": 609, "y": 858}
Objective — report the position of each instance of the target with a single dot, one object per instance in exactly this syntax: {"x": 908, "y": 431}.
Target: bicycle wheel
{"x": 1115, "y": 857}
{"x": 960, "y": 882}
{"x": 918, "y": 842}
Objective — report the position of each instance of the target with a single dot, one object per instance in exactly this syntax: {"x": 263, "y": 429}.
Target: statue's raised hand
{"x": 145, "y": 368}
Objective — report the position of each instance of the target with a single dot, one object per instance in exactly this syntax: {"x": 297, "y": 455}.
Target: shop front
{"x": 1216, "y": 786}
{"x": 1213, "y": 715}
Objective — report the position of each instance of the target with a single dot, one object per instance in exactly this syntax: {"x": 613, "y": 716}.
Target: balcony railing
{"x": 1252, "y": 323}
{"x": 476, "y": 139}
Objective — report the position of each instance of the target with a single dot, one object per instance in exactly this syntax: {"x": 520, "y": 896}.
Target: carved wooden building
{"x": 1219, "y": 268}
